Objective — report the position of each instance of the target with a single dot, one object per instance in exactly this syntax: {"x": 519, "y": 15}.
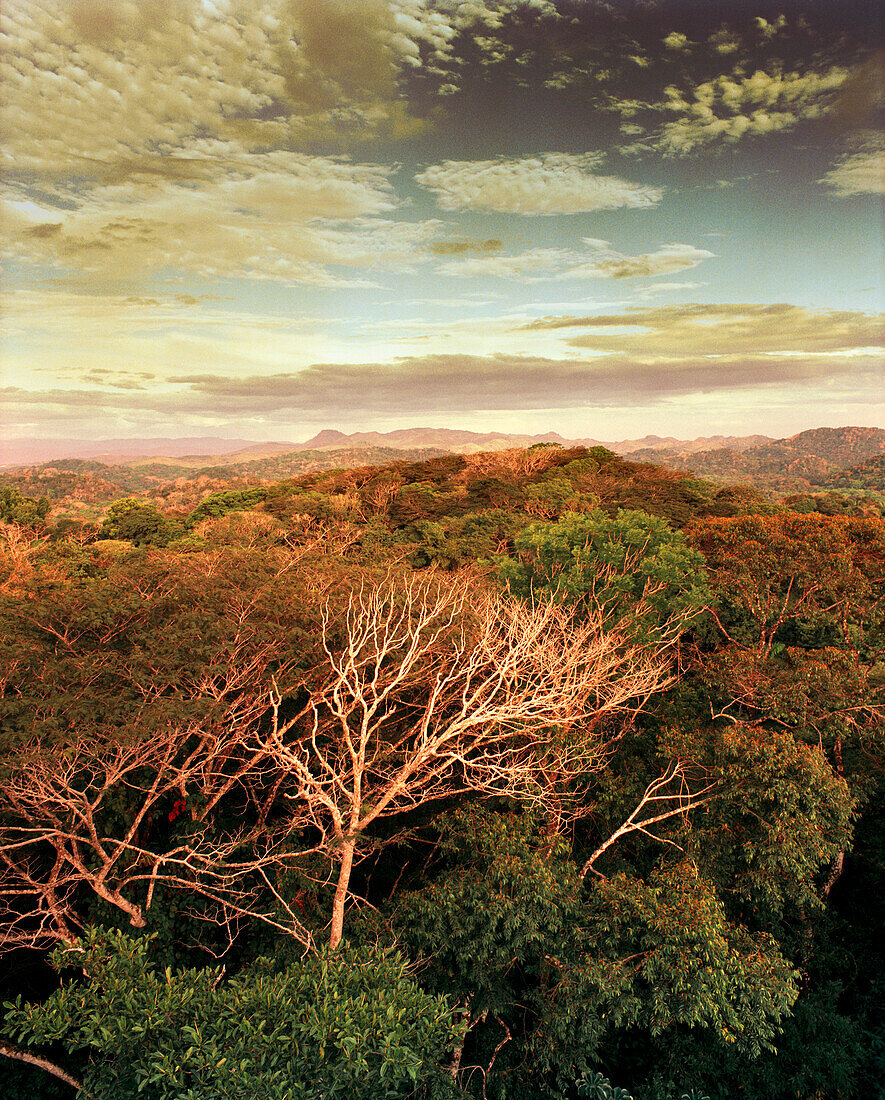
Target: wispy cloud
{"x": 280, "y": 216}
{"x": 720, "y": 330}
{"x": 861, "y": 173}
{"x": 600, "y": 261}
{"x": 420, "y": 386}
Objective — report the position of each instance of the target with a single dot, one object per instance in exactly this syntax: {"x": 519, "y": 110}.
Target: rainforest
{"x": 527, "y": 773}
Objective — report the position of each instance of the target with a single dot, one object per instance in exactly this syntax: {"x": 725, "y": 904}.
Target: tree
{"x": 26, "y": 511}
{"x": 420, "y": 691}
{"x": 434, "y": 691}
{"x": 101, "y": 816}
{"x": 596, "y": 563}
{"x": 551, "y": 971}
{"x": 354, "y": 1026}
{"x": 135, "y": 520}
{"x": 819, "y": 575}
{"x": 799, "y": 603}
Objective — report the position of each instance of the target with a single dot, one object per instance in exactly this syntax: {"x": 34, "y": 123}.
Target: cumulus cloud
{"x": 104, "y": 84}
{"x": 724, "y": 41}
{"x": 177, "y": 121}
{"x": 769, "y": 28}
{"x": 555, "y": 264}
{"x": 145, "y": 137}
{"x": 553, "y": 183}
{"x": 860, "y": 174}
{"x": 676, "y": 40}
{"x": 730, "y": 107}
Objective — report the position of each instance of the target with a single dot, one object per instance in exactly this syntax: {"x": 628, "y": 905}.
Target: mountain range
{"x": 210, "y": 450}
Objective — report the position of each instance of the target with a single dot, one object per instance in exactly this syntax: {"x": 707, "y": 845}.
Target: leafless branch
{"x": 672, "y": 794}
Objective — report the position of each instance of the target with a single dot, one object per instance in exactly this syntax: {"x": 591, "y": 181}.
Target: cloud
{"x": 556, "y": 264}
{"x": 282, "y": 216}
{"x": 768, "y": 29}
{"x": 552, "y": 183}
{"x": 101, "y": 84}
{"x": 608, "y": 264}
{"x": 862, "y": 97}
{"x": 258, "y": 371}
{"x": 65, "y": 337}
{"x": 860, "y": 174}
{"x": 417, "y": 387}
{"x": 533, "y": 265}
{"x": 720, "y": 330}
{"x": 459, "y": 383}
{"x": 675, "y": 40}
{"x": 727, "y": 108}
{"x": 460, "y": 247}
{"x": 724, "y": 41}
{"x": 153, "y": 137}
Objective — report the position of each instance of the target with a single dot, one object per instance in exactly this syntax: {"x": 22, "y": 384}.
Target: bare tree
{"x": 433, "y": 691}
{"x": 63, "y": 830}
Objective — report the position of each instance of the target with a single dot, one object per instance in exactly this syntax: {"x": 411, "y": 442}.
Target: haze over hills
{"x": 20, "y": 452}
{"x": 202, "y": 451}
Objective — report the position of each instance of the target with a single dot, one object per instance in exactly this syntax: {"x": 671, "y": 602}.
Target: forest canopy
{"x": 509, "y": 775}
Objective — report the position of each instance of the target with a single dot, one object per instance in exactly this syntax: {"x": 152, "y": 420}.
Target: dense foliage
{"x": 508, "y": 775}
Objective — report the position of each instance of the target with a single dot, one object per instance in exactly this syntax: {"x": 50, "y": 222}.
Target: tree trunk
{"x": 838, "y": 864}
{"x": 347, "y": 849}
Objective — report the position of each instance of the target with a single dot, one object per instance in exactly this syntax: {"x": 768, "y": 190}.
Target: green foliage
{"x": 509, "y": 930}
{"x": 26, "y": 511}
{"x": 137, "y": 521}
{"x": 225, "y": 501}
{"x": 594, "y": 1086}
{"x": 689, "y": 965}
{"x": 353, "y": 1025}
{"x": 498, "y": 930}
{"x": 549, "y": 497}
{"x": 781, "y": 814}
{"x": 594, "y": 561}
{"x": 601, "y": 455}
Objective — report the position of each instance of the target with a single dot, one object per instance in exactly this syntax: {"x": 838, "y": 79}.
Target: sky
{"x": 261, "y": 218}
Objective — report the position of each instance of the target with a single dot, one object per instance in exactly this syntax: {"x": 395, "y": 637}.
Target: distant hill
{"x": 447, "y": 439}
{"x": 814, "y": 467}
{"x": 799, "y": 462}
{"x": 79, "y": 485}
{"x": 821, "y": 458}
